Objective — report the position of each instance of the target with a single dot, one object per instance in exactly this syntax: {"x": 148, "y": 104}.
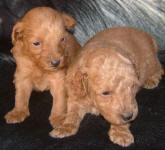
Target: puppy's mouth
{"x": 121, "y": 119}
{"x": 55, "y": 63}
{"x": 126, "y": 118}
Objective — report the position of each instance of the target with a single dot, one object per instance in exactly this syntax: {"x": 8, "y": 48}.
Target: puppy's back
{"x": 136, "y": 45}
{"x": 128, "y": 38}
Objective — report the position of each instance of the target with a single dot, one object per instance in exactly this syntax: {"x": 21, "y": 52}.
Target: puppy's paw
{"x": 121, "y": 137}
{"x": 56, "y": 121}
{"x": 153, "y": 81}
{"x": 16, "y": 116}
{"x": 64, "y": 131}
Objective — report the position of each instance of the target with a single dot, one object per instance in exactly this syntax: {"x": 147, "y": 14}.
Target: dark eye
{"x": 106, "y": 93}
{"x": 36, "y": 43}
{"x": 62, "y": 39}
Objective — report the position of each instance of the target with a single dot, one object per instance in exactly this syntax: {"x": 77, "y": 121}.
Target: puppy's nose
{"x": 55, "y": 63}
{"x": 127, "y": 117}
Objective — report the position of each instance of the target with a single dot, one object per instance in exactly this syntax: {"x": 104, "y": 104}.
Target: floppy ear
{"x": 79, "y": 84}
{"x": 17, "y": 32}
{"x": 68, "y": 21}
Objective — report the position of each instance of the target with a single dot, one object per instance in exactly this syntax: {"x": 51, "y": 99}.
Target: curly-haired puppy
{"x": 105, "y": 78}
{"x": 42, "y": 49}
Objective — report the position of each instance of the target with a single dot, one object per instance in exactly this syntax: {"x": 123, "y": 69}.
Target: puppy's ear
{"x": 68, "y": 21}
{"x": 17, "y": 32}
{"x": 84, "y": 82}
{"x": 79, "y": 84}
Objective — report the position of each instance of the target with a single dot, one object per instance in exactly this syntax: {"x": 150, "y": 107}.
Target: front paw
{"x": 64, "y": 131}
{"x": 16, "y": 116}
{"x": 121, "y": 137}
{"x": 56, "y": 121}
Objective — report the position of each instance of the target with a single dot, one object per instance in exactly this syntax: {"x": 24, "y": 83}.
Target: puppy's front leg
{"x": 72, "y": 122}
{"x": 121, "y": 135}
{"x": 21, "y": 110}
{"x": 57, "y": 89}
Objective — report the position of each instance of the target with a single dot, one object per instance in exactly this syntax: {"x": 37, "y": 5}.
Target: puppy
{"x": 105, "y": 78}
{"x": 43, "y": 49}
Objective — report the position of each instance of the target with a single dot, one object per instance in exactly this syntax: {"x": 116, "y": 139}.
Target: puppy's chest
{"x": 40, "y": 82}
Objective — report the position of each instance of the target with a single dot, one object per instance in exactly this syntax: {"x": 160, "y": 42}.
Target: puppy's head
{"x": 42, "y": 36}
{"x": 112, "y": 86}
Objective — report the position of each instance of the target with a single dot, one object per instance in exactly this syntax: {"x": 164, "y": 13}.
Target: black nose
{"x": 55, "y": 63}
{"x": 127, "y": 117}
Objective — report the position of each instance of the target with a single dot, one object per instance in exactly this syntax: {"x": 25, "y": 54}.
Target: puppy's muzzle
{"x": 55, "y": 63}
{"x": 127, "y": 117}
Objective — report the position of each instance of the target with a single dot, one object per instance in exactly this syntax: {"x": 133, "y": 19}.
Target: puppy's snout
{"x": 55, "y": 63}
{"x": 127, "y": 117}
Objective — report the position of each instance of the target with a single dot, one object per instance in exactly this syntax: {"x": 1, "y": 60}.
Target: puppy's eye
{"x": 62, "y": 39}
{"x": 36, "y": 43}
{"x": 106, "y": 93}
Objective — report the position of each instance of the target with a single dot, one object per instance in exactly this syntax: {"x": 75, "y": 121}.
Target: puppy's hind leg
{"x": 153, "y": 80}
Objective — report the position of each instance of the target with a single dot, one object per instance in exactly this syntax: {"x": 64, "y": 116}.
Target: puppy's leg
{"x": 21, "y": 110}
{"x": 121, "y": 135}
{"x": 57, "y": 89}
{"x": 153, "y": 81}
{"x": 71, "y": 124}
